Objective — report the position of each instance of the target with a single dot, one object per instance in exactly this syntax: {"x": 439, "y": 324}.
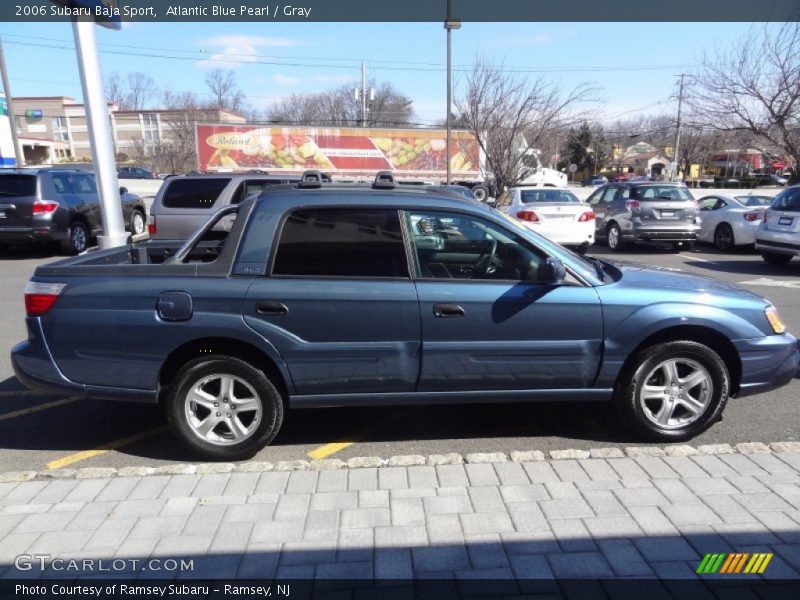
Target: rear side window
{"x": 82, "y": 184}
{"x": 194, "y": 193}
{"x": 341, "y": 243}
{"x": 14, "y": 186}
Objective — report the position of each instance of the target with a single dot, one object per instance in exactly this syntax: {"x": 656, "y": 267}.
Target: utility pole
{"x": 449, "y": 25}
{"x": 678, "y": 133}
{"x": 363, "y": 96}
{"x": 19, "y": 154}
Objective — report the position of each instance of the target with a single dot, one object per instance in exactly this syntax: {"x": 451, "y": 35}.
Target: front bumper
{"x": 768, "y": 363}
{"x": 35, "y": 368}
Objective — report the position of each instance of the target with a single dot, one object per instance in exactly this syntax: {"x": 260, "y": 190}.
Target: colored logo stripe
{"x": 734, "y": 563}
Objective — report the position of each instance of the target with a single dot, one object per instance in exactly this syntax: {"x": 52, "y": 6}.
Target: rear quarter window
{"x": 194, "y": 193}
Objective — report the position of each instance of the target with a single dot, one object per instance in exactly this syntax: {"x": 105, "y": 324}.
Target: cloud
{"x": 238, "y": 50}
{"x": 286, "y": 80}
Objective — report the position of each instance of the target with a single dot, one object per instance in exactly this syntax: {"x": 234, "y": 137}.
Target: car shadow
{"x": 758, "y": 268}
{"x": 28, "y": 252}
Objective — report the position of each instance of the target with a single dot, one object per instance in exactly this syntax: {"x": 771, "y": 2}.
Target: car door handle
{"x": 272, "y": 308}
{"x": 447, "y": 311}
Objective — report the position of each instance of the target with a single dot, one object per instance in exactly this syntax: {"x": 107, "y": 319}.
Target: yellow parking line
{"x": 125, "y": 441}
{"x": 358, "y": 436}
{"x": 26, "y": 411}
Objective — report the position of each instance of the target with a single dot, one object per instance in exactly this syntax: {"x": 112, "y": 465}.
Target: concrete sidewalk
{"x": 524, "y": 518}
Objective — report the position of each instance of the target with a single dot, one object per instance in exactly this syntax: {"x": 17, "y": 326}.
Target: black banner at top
{"x": 400, "y": 10}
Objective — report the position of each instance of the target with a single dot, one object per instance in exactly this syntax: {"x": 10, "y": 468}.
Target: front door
{"x": 339, "y": 304}
{"x": 488, "y": 322}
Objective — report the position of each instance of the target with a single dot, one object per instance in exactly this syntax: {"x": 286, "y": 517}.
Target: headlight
{"x": 772, "y": 316}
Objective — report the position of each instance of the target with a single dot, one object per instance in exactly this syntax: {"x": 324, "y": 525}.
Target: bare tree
{"x": 339, "y": 107}
{"x": 141, "y": 88}
{"x": 115, "y": 90}
{"x": 225, "y": 93}
{"x": 754, "y": 86}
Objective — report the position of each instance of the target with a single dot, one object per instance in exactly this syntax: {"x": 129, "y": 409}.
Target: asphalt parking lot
{"x": 40, "y": 431}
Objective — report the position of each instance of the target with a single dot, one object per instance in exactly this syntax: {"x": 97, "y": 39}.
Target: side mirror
{"x": 554, "y": 271}
{"x": 123, "y": 190}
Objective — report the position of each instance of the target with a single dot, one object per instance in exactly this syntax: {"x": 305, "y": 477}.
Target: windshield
{"x": 547, "y": 195}
{"x": 654, "y": 193}
{"x": 753, "y": 201}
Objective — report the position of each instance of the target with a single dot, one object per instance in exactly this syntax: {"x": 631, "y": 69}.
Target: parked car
{"x": 620, "y": 177}
{"x": 339, "y": 295}
{"x": 594, "y": 180}
{"x": 730, "y": 221}
{"x": 51, "y": 205}
{"x": 184, "y": 202}
{"x": 778, "y": 238}
{"x": 136, "y": 173}
{"x": 645, "y": 212}
{"x": 555, "y": 213}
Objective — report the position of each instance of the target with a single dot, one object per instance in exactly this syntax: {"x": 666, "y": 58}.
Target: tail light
{"x": 632, "y": 204}
{"x": 528, "y": 215}
{"x": 40, "y": 297}
{"x": 152, "y": 228}
{"x": 587, "y": 216}
{"x": 44, "y": 207}
{"x": 753, "y": 216}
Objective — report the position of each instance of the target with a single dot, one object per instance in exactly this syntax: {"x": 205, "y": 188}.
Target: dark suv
{"x": 58, "y": 205}
{"x": 645, "y": 212}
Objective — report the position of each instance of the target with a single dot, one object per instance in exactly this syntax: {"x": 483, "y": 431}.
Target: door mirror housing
{"x": 554, "y": 272}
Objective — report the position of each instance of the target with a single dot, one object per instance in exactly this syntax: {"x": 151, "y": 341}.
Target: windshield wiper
{"x": 599, "y": 266}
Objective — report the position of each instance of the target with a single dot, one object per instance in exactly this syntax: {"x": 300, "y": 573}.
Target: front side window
{"x": 341, "y": 243}
{"x": 456, "y": 246}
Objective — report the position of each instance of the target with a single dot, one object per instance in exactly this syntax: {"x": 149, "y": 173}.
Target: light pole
{"x": 449, "y": 25}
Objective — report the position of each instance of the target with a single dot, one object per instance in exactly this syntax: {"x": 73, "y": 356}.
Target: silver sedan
{"x": 730, "y": 221}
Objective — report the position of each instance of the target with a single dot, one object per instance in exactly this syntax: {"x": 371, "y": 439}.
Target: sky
{"x": 634, "y": 65}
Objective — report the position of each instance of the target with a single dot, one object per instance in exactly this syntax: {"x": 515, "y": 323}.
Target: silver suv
{"x": 184, "y": 203}
{"x": 645, "y": 212}
{"x": 778, "y": 238}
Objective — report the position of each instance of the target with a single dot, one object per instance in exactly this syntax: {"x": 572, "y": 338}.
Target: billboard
{"x": 343, "y": 151}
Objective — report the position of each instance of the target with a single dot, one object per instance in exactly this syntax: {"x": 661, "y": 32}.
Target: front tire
{"x": 673, "y": 391}
{"x": 481, "y": 193}
{"x": 223, "y": 408}
{"x": 776, "y": 258}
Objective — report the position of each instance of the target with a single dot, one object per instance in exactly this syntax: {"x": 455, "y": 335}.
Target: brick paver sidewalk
{"x": 629, "y": 515}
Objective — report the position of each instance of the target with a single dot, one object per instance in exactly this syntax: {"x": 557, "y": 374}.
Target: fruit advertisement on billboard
{"x": 346, "y": 151}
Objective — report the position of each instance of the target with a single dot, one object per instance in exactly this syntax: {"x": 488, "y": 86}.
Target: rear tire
{"x": 724, "y": 238}
{"x": 481, "y": 193}
{"x": 202, "y": 409}
{"x": 776, "y": 258}
{"x": 614, "y": 238}
{"x": 694, "y": 392}
{"x": 138, "y": 224}
{"x": 77, "y": 239}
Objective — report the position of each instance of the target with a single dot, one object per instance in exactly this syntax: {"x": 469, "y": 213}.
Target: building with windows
{"x": 55, "y": 128}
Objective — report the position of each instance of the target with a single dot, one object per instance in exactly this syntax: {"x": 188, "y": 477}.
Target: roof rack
{"x": 384, "y": 180}
{"x": 311, "y": 179}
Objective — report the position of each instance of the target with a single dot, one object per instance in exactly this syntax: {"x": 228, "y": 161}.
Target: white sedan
{"x": 730, "y": 221}
{"x": 555, "y": 213}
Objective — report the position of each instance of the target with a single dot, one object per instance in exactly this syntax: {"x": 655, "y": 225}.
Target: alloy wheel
{"x": 676, "y": 393}
{"x": 223, "y": 409}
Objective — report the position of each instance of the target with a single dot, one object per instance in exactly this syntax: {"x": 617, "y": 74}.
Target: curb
{"x": 362, "y": 462}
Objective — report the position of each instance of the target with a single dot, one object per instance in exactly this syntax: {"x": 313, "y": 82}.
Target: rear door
{"x": 600, "y": 201}
{"x": 667, "y": 205}
{"x": 339, "y": 304}
{"x": 17, "y": 195}
{"x": 185, "y": 203}
{"x": 88, "y": 202}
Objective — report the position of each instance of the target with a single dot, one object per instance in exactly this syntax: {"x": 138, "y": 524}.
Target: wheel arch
{"x": 708, "y": 336}
{"x": 210, "y": 346}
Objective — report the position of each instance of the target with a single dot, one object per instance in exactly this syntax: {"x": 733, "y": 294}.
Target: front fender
{"x": 626, "y": 335}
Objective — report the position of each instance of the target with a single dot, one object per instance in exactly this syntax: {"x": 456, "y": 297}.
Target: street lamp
{"x": 449, "y": 24}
